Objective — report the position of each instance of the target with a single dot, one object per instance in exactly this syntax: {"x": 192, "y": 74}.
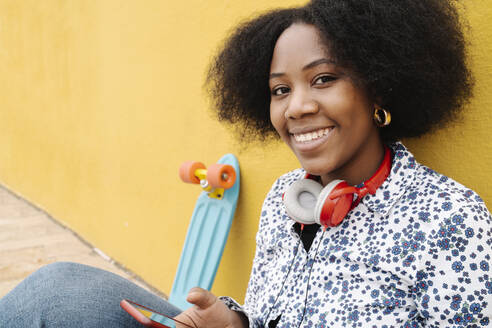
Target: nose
{"x": 301, "y": 104}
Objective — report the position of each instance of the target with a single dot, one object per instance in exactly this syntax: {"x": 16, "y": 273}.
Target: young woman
{"x": 362, "y": 235}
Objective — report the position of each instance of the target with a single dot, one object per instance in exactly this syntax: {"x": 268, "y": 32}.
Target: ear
{"x": 378, "y": 102}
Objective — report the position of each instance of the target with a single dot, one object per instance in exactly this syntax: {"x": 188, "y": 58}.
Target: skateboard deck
{"x": 205, "y": 239}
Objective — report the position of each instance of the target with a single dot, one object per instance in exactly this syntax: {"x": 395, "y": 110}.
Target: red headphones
{"x": 307, "y": 202}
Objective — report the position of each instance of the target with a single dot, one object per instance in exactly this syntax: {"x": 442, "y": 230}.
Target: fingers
{"x": 201, "y": 297}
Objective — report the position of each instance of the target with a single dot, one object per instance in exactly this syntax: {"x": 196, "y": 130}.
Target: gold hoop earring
{"x": 382, "y": 117}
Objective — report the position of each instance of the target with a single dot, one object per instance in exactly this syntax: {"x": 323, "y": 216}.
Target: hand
{"x": 209, "y": 312}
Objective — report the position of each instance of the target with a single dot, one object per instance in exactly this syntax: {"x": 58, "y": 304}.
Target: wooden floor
{"x": 29, "y": 239}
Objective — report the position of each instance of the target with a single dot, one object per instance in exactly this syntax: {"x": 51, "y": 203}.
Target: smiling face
{"x": 319, "y": 111}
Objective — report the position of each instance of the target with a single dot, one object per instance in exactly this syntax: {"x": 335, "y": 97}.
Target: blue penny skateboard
{"x": 209, "y": 226}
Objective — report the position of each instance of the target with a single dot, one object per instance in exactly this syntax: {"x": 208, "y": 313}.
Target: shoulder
{"x": 284, "y": 181}
{"x": 452, "y": 227}
{"x": 451, "y": 210}
{"x": 431, "y": 183}
{"x": 442, "y": 208}
{"x": 415, "y": 198}
{"x": 421, "y": 185}
{"x": 273, "y": 212}
{"x": 440, "y": 197}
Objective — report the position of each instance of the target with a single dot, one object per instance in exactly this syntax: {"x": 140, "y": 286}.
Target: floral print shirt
{"x": 415, "y": 254}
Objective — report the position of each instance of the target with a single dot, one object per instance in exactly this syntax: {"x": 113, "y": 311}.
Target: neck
{"x": 360, "y": 167}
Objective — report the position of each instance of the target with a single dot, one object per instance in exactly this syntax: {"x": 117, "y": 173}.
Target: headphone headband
{"x": 370, "y": 186}
{"x": 334, "y": 200}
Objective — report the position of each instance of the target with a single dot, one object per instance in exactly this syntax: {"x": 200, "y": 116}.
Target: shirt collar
{"x": 402, "y": 174}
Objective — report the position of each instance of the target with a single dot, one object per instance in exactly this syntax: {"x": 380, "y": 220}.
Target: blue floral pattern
{"x": 415, "y": 254}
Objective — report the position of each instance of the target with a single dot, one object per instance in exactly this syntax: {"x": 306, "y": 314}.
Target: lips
{"x": 308, "y": 140}
{"x": 311, "y": 135}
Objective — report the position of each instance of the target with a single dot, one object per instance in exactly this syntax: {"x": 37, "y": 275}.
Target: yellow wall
{"x": 101, "y": 101}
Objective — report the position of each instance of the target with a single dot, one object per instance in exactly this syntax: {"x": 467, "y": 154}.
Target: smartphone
{"x": 149, "y": 317}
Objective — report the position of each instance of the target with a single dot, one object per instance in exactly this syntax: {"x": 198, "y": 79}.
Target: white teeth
{"x": 311, "y": 135}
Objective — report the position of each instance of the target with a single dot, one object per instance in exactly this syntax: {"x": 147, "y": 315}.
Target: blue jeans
{"x": 74, "y": 295}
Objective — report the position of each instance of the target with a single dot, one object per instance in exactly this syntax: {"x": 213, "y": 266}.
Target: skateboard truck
{"x": 214, "y": 180}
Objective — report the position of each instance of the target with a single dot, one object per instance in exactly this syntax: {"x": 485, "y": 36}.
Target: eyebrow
{"x": 308, "y": 66}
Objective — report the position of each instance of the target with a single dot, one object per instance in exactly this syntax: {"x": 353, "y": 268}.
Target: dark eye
{"x": 280, "y": 91}
{"x": 324, "y": 79}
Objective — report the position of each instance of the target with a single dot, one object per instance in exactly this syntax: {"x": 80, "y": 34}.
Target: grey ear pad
{"x": 322, "y": 198}
{"x": 300, "y": 200}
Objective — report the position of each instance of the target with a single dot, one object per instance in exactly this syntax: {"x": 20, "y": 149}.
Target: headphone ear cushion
{"x": 327, "y": 211}
{"x": 300, "y": 200}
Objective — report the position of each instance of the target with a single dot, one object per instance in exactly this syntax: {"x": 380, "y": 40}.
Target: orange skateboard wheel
{"x": 187, "y": 171}
{"x": 221, "y": 175}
